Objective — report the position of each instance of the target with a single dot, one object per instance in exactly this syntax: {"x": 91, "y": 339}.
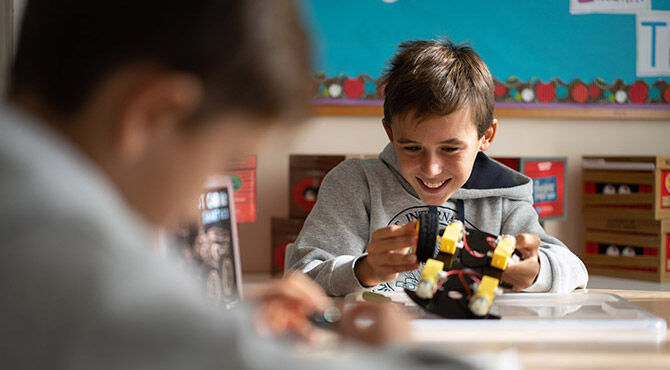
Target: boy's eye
{"x": 411, "y": 148}
{"x": 450, "y": 149}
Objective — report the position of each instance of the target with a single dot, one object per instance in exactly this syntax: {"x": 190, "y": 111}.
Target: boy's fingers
{"x": 395, "y": 231}
{"x": 403, "y": 268}
{"x": 299, "y": 325}
{"x": 522, "y": 274}
{"x": 279, "y": 320}
{"x": 528, "y": 244}
{"x": 286, "y": 293}
{"x": 528, "y": 240}
{"x": 308, "y": 290}
{"x": 386, "y": 273}
{"x": 298, "y": 289}
{"x": 396, "y": 244}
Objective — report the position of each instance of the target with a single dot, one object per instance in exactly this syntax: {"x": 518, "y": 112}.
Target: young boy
{"x": 438, "y": 115}
{"x": 118, "y": 111}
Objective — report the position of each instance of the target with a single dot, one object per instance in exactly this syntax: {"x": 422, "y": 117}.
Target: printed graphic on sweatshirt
{"x": 407, "y": 215}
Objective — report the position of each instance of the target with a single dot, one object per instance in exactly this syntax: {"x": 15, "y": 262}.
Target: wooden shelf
{"x": 515, "y": 112}
{"x": 644, "y": 241}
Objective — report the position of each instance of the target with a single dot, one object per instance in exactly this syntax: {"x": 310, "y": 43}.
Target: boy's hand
{"x": 388, "y": 254}
{"x": 386, "y": 323}
{"x": 523, "y": 273}
{"x": 284, "y": 306}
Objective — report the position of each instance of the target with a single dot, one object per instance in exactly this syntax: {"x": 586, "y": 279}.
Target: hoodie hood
{"x": 489, "y": 178}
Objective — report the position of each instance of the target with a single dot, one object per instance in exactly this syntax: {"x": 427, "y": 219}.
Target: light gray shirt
{"x": 82, "y": 288}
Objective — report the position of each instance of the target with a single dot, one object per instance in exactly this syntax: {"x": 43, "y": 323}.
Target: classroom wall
{"x": 516, "y": 137}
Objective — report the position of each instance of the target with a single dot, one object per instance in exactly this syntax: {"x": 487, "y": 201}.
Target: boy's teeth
{"x": 433, "y": 186}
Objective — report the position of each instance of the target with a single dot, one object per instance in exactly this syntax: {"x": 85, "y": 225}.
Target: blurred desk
{"x": 582, "y": 355}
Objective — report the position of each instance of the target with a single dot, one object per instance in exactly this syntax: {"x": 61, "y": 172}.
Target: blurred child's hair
{"x": 250, "y": 55}
{"x": 438, "y": 77}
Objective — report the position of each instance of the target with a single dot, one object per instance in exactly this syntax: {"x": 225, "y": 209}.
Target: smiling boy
{"x": 438, "y": 115}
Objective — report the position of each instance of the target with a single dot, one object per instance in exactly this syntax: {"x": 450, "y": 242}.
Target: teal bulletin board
{"x": 540, "y": 55}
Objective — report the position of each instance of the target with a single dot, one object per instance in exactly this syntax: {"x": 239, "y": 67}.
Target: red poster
{"x": 548, "y": 186}
{"x": 243, "y": 177}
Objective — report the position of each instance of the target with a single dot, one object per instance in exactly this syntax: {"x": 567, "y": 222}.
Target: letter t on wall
{"x": 653, "y": 26}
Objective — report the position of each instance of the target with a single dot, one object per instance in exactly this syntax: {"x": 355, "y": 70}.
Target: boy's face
{"x": 436, "y": 154}
{"x": 139, "y": 127}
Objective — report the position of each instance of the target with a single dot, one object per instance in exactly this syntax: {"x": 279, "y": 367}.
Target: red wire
{"x": 451, "y": 272}
{"x": 469, "y": 272}
{"x": 475, "y": 276}
{"x": 465, "y": 284}
{"x": 467, "y": 248}
{"x": 462, "y": 278}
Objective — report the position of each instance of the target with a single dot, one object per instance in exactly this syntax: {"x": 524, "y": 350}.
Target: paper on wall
{"x": 609, "y": 6}
{"x": 653, "y": 43}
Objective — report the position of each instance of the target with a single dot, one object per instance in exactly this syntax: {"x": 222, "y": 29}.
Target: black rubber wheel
{"x": 426, "y": 245}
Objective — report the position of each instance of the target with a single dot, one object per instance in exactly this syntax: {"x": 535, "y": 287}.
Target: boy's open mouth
{"x": 432, "y": 186}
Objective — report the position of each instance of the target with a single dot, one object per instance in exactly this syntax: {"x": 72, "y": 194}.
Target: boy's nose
{"x": 431, "y": 166}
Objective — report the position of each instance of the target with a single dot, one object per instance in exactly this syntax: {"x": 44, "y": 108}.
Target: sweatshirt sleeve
{"x": 561, "y": 271}
{"x": 336, "y": 231}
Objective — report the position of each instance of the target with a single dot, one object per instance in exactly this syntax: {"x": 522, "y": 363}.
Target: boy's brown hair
{"x": 250, "y": 55}
{"x": 438, "y": 77}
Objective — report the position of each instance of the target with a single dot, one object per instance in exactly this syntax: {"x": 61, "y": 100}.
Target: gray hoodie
{"x": 360, "y": 196}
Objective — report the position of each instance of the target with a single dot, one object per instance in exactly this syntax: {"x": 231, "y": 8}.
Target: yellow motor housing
{"x": 503, "y": 251}
{"x": 483, "y": 298}
{"x": 453, "y": 234}
{"x": 431, "y": 269}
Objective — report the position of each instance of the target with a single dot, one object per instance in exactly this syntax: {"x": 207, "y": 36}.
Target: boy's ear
{"x": 488, "y": 136}
{"x": 387, "y": 128}
{"x": 155, "y": 108}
